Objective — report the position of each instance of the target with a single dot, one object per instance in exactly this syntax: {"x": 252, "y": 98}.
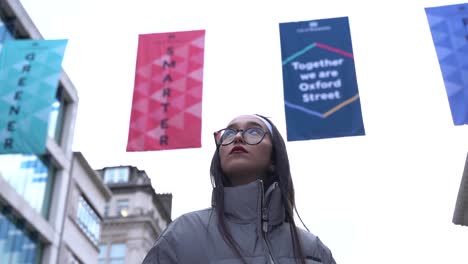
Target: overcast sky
{"x": 386, "y": 197}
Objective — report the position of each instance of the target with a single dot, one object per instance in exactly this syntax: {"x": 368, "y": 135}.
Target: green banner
{"x": 29, "y": 75}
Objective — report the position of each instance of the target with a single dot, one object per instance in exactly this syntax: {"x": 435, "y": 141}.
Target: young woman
{"x": 251, "y": 219}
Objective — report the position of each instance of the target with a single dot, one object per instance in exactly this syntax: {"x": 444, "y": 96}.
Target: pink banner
{"x": 167, "y": 97}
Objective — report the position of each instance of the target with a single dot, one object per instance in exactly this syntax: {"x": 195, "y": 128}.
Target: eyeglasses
{"x": 251, "y": 135}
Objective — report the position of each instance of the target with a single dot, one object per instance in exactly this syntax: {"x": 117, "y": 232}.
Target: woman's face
{"x": 241, "y": 162}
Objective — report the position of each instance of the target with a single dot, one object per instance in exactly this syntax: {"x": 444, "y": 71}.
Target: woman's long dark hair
{"x": 281, "y": 174}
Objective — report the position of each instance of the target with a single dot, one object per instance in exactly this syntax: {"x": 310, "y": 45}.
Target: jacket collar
{"x": 244, "y": 203}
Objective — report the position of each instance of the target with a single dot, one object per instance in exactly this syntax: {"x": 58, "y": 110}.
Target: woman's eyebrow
{"x": 249, "y": 124}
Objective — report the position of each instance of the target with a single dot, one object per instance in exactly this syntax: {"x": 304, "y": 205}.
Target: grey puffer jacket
{"x": 194, "y": 237}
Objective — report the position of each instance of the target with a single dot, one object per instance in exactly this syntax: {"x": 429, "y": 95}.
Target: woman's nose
{"x": 238, "y": 137}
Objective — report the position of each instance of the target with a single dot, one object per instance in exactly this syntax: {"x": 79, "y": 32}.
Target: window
{"x": 5, "y": 34}
{"x": 31, "y": 176}
{"x": 88, "y": 220}
{"x": 122, "y": 208}
{"x": 117, "y": 253}
{"x": 18, "y": 244}
{"x": 102, "y": 254}
{"x": 56, "y": 116}
{"x": 116, "y": 175}
{"x": 112, "y": 254}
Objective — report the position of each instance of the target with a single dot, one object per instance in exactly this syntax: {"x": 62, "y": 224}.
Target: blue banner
{"x": 29, "y": 75}
{"x": 449, "y": 30}
{"x": 321, "y": 95}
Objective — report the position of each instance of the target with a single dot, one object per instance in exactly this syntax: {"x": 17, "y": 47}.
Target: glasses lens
{"x": 254, "y": 135}
{"x": 225, "y": 136}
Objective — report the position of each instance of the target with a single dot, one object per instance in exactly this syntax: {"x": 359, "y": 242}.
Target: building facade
{"x": 54, "y": 208}
{"x": 134, "y": 217}
{"x": 34, "y": 188}
{"x": 87, "y": 198}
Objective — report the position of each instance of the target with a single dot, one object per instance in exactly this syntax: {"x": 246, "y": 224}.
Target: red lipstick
{"x": 237, "y": 149}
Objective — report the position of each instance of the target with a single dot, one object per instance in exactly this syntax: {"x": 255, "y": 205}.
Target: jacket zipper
{"x": 264, "y": 223}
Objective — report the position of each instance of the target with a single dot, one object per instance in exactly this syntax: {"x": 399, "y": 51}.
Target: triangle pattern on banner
{"x": 157, "y": 114}
{"x": 444, "y": 42}
{"x": 438, "y": 36}
{"x": 452, "y": 88}
{"x": 59, "y": 49}
{"x": 433, "y": 19}
{"x": 441, "y": 27}
{"x": 41, "y": 58}
{"x": 9, "y": 98}
{"x": 4, "y": 134}
{"x": 462, "y": 59}
{"x": 199, "y": 42}
{"x": 464, "y": 74}
{"x": 459, "y": 41}
{"x": 464, "y": 50}
{"x": 177, "y": 121}
{"x": 458, "y": 108}
{"x": 155, "y": 133}
{"x": 442, "y": 52}
{"x": 455, "y": 77}
{"x": 158, "y": 77}
{"x": 18, "y": 66}
{"x": 141, "y": 105}
{"x": 137, "y": 142}
{"x": 178, "y": 102}
{"x": 182, "y": 51}
{"x": 139, "y": 124}
{"x": 197, "y": 74}
{"x": 160, "y": 60}
{"x": 197, "y": 58}
{"x": 450, "y": 59}
{"x": 195, "y": 110}
{"x": 43, "y": 114}
{"x": 448, "y": 70}
{"x": 24, "y": 124}
{"x": 180, "y": 84}
{"x": 158, "y": 96}
{"x": 196, "y": 91}
{"x": 181, "y": 67}
{"x": 51, "y": 79}
{"x": 143, "y": 88}
{"x": 144, "y": 71}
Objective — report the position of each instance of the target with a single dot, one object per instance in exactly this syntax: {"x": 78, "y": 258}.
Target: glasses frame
{"x": 242, "y": 135}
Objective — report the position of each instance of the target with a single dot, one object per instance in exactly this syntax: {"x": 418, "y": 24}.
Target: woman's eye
{"x": 229, "y": 133}
{"x": 253, "y": 131}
